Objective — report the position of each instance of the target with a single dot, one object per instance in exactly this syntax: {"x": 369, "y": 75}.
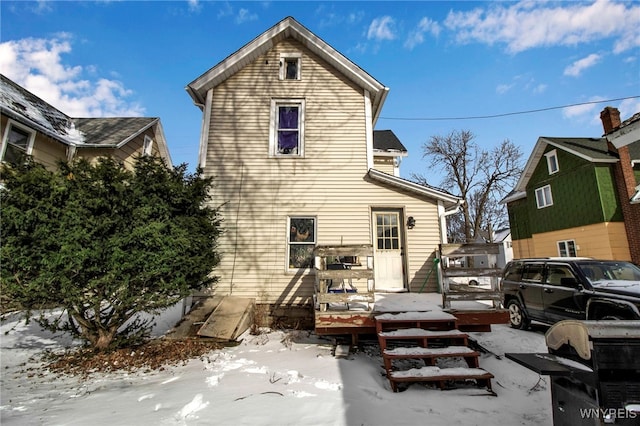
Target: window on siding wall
{"x": 301, "y": 241}
{"x": 290, "y": 64}
{"x": 552, "y": 162}
{"x": 287, "y": 128}
{"x": 543, "y": 197}
{"x": 17, "y": 141}
{"x": 147, "y": 149}
{"x": 567, "y": 248}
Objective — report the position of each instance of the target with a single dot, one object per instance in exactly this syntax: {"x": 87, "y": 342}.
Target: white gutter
{"x": 442, "y": 218}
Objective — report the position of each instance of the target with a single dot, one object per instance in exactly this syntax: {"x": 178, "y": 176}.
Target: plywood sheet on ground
{"x": 230, "y": 319}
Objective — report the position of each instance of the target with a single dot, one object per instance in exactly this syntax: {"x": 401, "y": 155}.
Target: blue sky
{"x": 444, "y": 62}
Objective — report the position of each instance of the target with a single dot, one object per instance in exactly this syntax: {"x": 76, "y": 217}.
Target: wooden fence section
{"x": 344, "y": 275}
{"x": 456, "y": 278}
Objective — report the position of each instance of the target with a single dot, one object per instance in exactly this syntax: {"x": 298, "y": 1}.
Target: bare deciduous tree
{"x": 480, "y": 177}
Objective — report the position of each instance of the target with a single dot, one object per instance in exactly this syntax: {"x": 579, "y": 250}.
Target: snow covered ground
{"x": 277, "y": 378}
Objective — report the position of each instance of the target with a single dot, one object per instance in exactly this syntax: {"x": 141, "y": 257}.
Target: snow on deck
{"x": 417, "y": 316}
{"x": 418, "y": 351}
{"x": 421, "y": 332}
{"x": 432, "y": 371}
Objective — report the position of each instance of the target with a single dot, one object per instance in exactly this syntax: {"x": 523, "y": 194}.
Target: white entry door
{"x": 388, "y": 247}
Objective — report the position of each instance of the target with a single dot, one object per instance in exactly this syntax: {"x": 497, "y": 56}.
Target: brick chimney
{"x": 610, "y": 117}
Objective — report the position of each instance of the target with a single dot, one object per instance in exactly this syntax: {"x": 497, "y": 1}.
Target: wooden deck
{"x": 355, "y": 321}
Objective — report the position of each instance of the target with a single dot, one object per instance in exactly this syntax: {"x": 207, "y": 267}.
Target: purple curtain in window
{"x": 287, "y": 139}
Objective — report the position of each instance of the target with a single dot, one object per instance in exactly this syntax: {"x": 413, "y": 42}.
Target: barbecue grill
{"x": 595, "y": 371}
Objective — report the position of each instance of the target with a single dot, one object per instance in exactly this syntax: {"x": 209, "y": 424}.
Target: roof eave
{"x": 416, "y": 188}
{"x": 35, "y": 126}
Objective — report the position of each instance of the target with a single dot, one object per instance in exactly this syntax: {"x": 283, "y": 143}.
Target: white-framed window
{"x": 147, "y": 148}
{"x": 301, "y": 241}
{"x": 543, "y": 197}
{"x": 552, "y": 162}
{"x": 567, "y": 248}
{"x": 286, "y": 135}
{"x": 17, "y": 140}
{"x": 290, "y": 64}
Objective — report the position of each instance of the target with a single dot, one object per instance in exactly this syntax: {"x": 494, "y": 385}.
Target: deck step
{"x": 419, "y": 352}
{"x": 414, "y": 333}
{"x": 440, "y": 376}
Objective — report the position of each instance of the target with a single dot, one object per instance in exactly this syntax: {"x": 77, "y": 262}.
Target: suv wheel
{"x": 517, "y": 317}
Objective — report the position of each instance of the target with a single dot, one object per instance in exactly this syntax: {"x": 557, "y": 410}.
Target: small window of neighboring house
{"x": 567, "y": 248}
{"x": 552, "y": 162}
{"x": 17, "y": 141}
{"x": 290, "y": 64}
{"x": 543, "y": 197}
{"x": 286, "y": 138}
{"x": 147, "y": 149}
{"x": 301, "y": 242}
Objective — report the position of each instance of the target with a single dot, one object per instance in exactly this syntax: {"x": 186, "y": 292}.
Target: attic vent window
{"x": 290, "y": 66}
{"x": 552, "y": 162}
{"x": 147, "y": 148}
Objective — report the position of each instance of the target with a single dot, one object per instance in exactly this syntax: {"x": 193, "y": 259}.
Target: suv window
{"x": 560, "y": 275}
{"x": 533, "y": 272}
{"x": 513, "y": 272}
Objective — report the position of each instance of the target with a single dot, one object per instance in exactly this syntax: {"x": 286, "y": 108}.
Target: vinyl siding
{"x": 600, "y": 241}
{"x": 48, "y": 152}
{"x": 384, "y": 164}
{"x": 257, "y": 192}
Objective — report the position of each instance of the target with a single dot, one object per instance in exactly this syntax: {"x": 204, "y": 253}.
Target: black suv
{"x": 554, "y": 289}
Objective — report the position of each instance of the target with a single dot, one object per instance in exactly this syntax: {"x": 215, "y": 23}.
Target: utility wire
{"x": 477, "y": 117}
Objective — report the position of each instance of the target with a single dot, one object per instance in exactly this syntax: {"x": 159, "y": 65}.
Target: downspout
{"x": 442, "y": 219}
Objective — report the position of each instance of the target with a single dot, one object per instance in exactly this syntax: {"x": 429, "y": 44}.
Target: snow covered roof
{"x": 24, "y": 107}
{"x": 28, "y": 109}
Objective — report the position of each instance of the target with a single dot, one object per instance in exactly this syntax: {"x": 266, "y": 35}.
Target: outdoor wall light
{"x": 411, "y": 222}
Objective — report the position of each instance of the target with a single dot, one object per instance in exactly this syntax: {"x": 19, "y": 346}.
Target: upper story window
{"x": 552, "y": 162}
{"x": 290, "y": 64}
{"x": 543, "y": 197}
{"x": 147, "y": 148}
{"x": 286, "y": 136}
{"x": 16, "y": 141}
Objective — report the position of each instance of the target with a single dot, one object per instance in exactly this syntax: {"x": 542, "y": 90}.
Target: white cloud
{"x": 576, "y": 68}
{"x": 628, "y": 108}
{"x": 530, "y": 24}
{"x": 540, "y": 88}
{"x": 588, "y": 112}
{"x": 416, "y": 36}
{"x": 38, "y": 66}
{"x": 194, "y": 5}
{"x": 382, "y": 29}
{"x": 503, "y": 88}
{"x": 245, "y": 16}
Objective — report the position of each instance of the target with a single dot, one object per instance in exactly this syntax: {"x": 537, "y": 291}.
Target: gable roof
{"x": 24, "y": 107}
{"x": 385, "y": 141}
{"x": 594, "y": 150}
{"x": 286, "y": 28}
{"x": 112, "y": 132}
{"x": 449, "y": 200}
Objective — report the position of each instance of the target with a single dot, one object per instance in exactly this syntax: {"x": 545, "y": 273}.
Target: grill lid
{"x": 578, "y": 334}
